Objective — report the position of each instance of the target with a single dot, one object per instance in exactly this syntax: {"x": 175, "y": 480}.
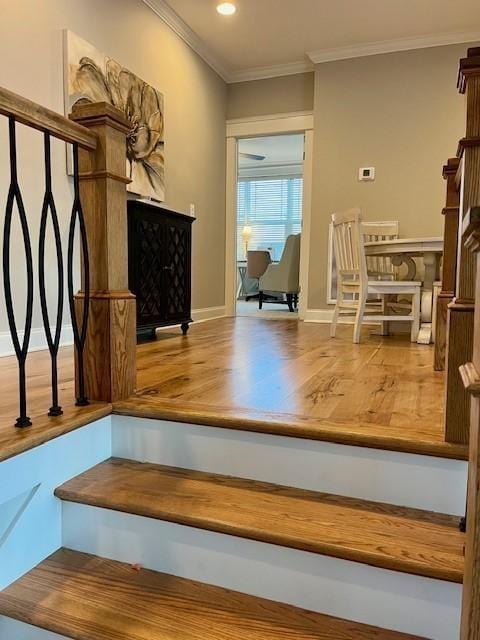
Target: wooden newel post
{"x": 470, "y": 372}
{"x": 449, "y": 266}
{"x": 461, "y": 309}
{"x": 110, "y": 350}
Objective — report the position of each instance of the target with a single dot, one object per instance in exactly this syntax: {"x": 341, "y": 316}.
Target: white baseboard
{"x": 38, "y": 341}
{"x": 323, "y": 316}
{"x": 209, "y": 313}
{"x": 201, "y": 315}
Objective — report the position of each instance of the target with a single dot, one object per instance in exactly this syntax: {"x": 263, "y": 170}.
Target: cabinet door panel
{"x": 177, "y": 270}
{"x": 146, "y": 267}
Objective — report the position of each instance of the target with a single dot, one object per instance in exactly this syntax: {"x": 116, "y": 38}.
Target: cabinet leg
{"x": 185, "y": 326}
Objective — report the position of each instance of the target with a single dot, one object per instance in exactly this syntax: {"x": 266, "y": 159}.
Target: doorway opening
{"x": 268, "y": 225}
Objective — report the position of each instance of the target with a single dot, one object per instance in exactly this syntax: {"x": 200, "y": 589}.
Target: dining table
{"x": 402, "y": 251}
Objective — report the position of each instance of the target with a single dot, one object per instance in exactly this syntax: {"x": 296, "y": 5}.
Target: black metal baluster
{"x": 79, "y": 333}
{"x": 21, "y": 350}
{"x": 53, "y": 342}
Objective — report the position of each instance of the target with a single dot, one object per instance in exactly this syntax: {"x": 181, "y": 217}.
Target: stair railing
{"x": 460, "y": 314}
{"x": 449, "y": 263}
{"x": 103, "y": 311}
{"x": 468, "y": 286}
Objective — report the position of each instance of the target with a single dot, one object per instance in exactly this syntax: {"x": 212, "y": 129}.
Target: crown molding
{"x": 391, "y": 46}
{"x": 163, "y": 10}
{"x": 274, "y": 71}
{"x": 181, "y": 28}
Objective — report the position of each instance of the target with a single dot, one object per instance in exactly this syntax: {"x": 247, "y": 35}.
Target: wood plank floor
{"x": 14, "y": 441}
{"x": 276, "y": 376}
{"x": 89, "y": 598}
{"x": 289, "y": 377}
{"x": 381, "y": 535}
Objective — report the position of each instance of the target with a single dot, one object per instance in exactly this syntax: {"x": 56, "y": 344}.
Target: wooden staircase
{"x": 89, "y": 598}
{"x": 397, "y": 538}
{"x": 107, "y": 587}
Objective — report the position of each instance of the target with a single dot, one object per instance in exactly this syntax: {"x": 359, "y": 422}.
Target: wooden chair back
{"x": 348, "y": 245}
{"x": 376, "y": 232}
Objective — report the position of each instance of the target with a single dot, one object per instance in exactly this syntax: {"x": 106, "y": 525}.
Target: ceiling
{"x": 283, "y": 156}
{"x": 266, "y": 38}
{"x": 285, "y": 149}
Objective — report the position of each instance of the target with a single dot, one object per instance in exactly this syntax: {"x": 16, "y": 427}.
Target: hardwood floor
{"x": 14, "y": 441}
{"x": 279, "y": 376}
{"x": 292, "y": 367}
{"x": 382, "y": 535}
{"x": 289, "y": 377}
{"x": 89, "y": 598}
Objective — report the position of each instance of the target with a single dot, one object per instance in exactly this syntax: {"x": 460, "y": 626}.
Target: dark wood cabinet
{"x": 159, "y": 266}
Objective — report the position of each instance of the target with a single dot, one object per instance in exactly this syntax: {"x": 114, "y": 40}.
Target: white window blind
{"x": 272, "y": 207}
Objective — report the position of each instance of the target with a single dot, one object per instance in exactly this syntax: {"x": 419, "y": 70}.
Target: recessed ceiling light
{"x": 226, "y": 8}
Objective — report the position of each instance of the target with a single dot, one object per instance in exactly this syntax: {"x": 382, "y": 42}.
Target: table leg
{"x": 242, "y": 290}
{"x": 431, "y": 262}
{"x": 239, "y": 285}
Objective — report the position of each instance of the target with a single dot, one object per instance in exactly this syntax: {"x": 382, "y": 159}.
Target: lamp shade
{"x": 246, "y": 232}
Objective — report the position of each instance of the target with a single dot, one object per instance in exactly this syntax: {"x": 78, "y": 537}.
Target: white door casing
{"x": 276, "y": 124}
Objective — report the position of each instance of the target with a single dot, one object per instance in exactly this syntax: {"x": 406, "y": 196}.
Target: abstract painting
{"x": 92, "y": 76}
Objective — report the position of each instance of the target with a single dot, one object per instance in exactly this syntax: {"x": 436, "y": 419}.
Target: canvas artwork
{"x": 92, "y": 76}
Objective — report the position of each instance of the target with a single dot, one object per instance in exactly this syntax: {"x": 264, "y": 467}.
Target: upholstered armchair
{"x": 283, "y": 277}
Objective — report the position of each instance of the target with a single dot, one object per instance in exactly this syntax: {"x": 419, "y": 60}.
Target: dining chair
{"x": 257, "y": 264}
{"x": 380, "y": 267}
{"x": 348, "y": 242}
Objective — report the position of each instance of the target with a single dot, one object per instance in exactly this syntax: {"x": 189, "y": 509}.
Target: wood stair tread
{"x": 386, "y": 536}
{"x": 89, "y": 598}
{"x": 45, "y": 428}
{"x": 146, "y": 404}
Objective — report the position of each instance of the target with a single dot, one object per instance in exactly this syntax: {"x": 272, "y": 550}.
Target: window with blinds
{"x": 272, "y": 207}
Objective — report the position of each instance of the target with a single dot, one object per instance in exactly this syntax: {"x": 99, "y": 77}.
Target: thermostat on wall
{"x": 366, "y": 173}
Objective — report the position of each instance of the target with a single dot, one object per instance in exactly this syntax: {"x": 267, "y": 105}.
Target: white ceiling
{"x": 272, "y": 37}
{"x": 287, "y": 149}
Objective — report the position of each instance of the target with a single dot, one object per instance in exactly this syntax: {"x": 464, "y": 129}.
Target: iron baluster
{"x": 21, "y": 349}
{"x": 52, "y": 341}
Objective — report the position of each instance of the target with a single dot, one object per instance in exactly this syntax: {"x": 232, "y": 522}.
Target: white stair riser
{"x": 14, "y": 630}
{"x": 388, "y": 599}
{"x": 423, "y": 482}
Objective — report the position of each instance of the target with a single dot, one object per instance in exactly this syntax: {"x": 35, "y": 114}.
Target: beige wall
{"x": 273, "y": 95}
{"x": 195, "y": 109}
{"x": 400, "y": 113}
